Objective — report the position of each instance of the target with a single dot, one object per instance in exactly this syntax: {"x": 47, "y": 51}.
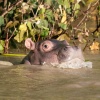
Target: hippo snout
{"x": 75, "y": 52}
{"x": 68, "y": 53}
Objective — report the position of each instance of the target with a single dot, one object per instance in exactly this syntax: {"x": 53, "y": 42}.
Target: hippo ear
{"x": 29, "y": 44}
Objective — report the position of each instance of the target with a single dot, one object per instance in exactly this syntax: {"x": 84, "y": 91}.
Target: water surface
{"x": 21, "y": 82}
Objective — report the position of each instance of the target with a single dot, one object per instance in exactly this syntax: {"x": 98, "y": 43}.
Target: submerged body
{"x": 50, "y": 51}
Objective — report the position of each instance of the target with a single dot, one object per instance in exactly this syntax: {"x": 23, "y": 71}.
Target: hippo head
{"x": 51, "y": 51}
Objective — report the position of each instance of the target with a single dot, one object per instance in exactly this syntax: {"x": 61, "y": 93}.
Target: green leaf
{"x": 11, "y": 12}
{"x": 9, "y": 24}
{"x": 90, "y": 1}
{"x": 1, "y": 48}
{"x": 83, "y": 2}
{"x": 63, "y": 37}
{"x": 42, "y": 11}
{"x": 16, "y": 22}
{"x": 68, "y": 10}
{"x": 33, "y": 31}
{"x": 96, "y": 34}
{"x": 29, "y": 24}
{"x": 49, "y": 15}
{"x": 67, "y": 4}
{"x": 33, "y": 1}
{"x": 76, "y": 8}
{"x": 23, "y": 27}
{"x": 44, "y": 33}
{"x": 1, "y": 21}
{"x": 71, "y": 1}
{"x": 20, "y": 36}
{"x": 43, "y": 24}
{"x": 2, "y": 43}
{"x": 63, "y": 26}
{"x": 60, "y": 2}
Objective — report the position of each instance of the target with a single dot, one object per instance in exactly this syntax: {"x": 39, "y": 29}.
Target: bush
{"x": 42, "y": 19}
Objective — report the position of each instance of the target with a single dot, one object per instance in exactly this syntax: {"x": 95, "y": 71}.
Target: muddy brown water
{"x": 22, "y": 82}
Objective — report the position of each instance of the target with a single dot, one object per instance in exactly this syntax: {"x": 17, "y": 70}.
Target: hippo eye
{"x": 47, "y": 46}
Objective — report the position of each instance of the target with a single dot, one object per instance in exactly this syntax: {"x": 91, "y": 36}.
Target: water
{"x": 21, "y": 82}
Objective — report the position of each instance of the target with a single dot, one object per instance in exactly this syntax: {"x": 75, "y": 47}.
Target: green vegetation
{"x": 42, "y": 19}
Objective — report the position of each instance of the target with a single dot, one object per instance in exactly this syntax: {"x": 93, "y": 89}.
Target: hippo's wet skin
{"x": 50, "y": 51}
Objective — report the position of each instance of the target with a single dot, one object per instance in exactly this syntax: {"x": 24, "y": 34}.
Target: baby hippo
{"x": 50, "y": 51}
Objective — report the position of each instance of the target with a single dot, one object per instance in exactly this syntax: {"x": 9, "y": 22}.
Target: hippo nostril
{"x": 65, "y": 48}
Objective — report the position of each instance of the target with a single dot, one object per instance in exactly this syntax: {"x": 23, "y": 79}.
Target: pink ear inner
{"x": 29, "y": 44}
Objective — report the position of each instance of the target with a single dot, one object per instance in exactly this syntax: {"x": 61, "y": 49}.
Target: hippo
{"x": 50, "y": 51}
